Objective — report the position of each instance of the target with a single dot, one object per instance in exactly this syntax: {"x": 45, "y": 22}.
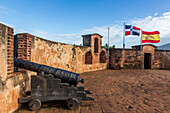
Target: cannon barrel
{"x": 66, "y": 76}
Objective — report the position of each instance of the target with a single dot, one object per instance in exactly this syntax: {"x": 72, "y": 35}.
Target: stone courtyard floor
{"x": 119, "y": 91}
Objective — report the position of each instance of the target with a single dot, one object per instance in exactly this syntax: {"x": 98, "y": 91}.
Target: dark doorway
{"x": 147, "y": 61}
{"x": 88, "y": 58}
{"x": 102, "y": 57}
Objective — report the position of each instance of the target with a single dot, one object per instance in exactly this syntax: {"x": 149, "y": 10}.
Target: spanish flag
{"x": 150, "y": 37}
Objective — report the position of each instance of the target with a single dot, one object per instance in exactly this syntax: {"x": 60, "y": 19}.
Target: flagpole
{"x": 141, "y": 44}
{"x": 108, "y": 47}
{"x": 123, "y": 38}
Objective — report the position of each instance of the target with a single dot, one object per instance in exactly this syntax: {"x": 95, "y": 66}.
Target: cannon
{"x": 66, "y": 76}
{"x": 52, "y": 84}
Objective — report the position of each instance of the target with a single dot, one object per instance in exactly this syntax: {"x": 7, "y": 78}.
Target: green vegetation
{"x": 106, "y": 46}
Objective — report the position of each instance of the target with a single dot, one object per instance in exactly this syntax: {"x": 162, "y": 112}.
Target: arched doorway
{"x": 102, "y": 57}
{"x": 96, "y": 45}
{"x": 88, "y": 58}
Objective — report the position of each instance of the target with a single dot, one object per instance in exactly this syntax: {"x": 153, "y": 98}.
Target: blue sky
{"x": 66, "y": 20}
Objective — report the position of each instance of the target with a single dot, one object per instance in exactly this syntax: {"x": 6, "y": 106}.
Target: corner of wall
{"x": 11, "y": 84}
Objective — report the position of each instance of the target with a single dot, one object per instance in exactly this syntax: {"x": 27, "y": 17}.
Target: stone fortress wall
{"x": 15, "y": 82}
{"x": 134, "y": 59}
{"x": 59, "y": 55}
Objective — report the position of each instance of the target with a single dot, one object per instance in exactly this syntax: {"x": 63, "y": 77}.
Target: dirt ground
{"x": 120, "y": 91}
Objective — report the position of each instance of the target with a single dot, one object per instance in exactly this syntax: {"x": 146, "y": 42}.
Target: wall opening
{"x": 88, "y": 58}
{"x": 102, "y": 57}
{"x": 147, "y": 61}
{"x": 96, "y": 45}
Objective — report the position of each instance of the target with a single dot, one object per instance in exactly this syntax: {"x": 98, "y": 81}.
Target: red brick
{"x": 96, "y": 110}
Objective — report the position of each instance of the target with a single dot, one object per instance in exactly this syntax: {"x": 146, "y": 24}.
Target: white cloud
{"x": 156, "y": 14}
{"x": 4, "y": 10}
{"x": 160, "y": 23}
{"x": 40, "y": 33}
{"x": 63, "y": 38}
{"x": 167, "y": 13}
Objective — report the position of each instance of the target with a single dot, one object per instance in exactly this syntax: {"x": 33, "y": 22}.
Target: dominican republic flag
{"x": 132, "y": 30}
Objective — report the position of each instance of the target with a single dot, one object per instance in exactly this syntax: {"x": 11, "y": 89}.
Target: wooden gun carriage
{"x": 52, "y": 84}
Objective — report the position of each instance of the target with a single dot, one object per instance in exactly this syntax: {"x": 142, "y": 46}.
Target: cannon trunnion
{"x": 53, "y": 85}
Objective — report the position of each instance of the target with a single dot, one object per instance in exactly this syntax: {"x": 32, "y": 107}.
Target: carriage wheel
{"x": 73, "y": 104}
{"x": 34, "y": 104}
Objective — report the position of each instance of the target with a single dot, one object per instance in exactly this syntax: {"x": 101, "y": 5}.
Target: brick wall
{"x": 23, "y": 46}
{"x": 7, "y": 48}
{"x": 12, "y": 85}
{"x": 10, "y": 52}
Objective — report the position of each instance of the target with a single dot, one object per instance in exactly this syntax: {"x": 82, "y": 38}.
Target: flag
{"x": 132, "y": 30}
{"x": 150, "y": 37}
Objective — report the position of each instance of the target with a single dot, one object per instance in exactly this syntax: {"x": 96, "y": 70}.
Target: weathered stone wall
{"x": 3, "y": 52}
{"x": 13, "y": 88}
{"x": 162, "y": 59}
{"x": 59, "y": 55}
{"x": 166, "y": 60}
{"x": 133, "y": 60}
{"x": 55, "y": 54}
{"x": 129, "y": 60}
{"x": 115, "y": 58}
{"x": 12, "y": 85}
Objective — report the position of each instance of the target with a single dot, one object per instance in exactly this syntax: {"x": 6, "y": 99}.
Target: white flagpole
{"x": 123, "y": 38}
{"x": 141, "y": 44}
{"x": 108, "y": 47}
